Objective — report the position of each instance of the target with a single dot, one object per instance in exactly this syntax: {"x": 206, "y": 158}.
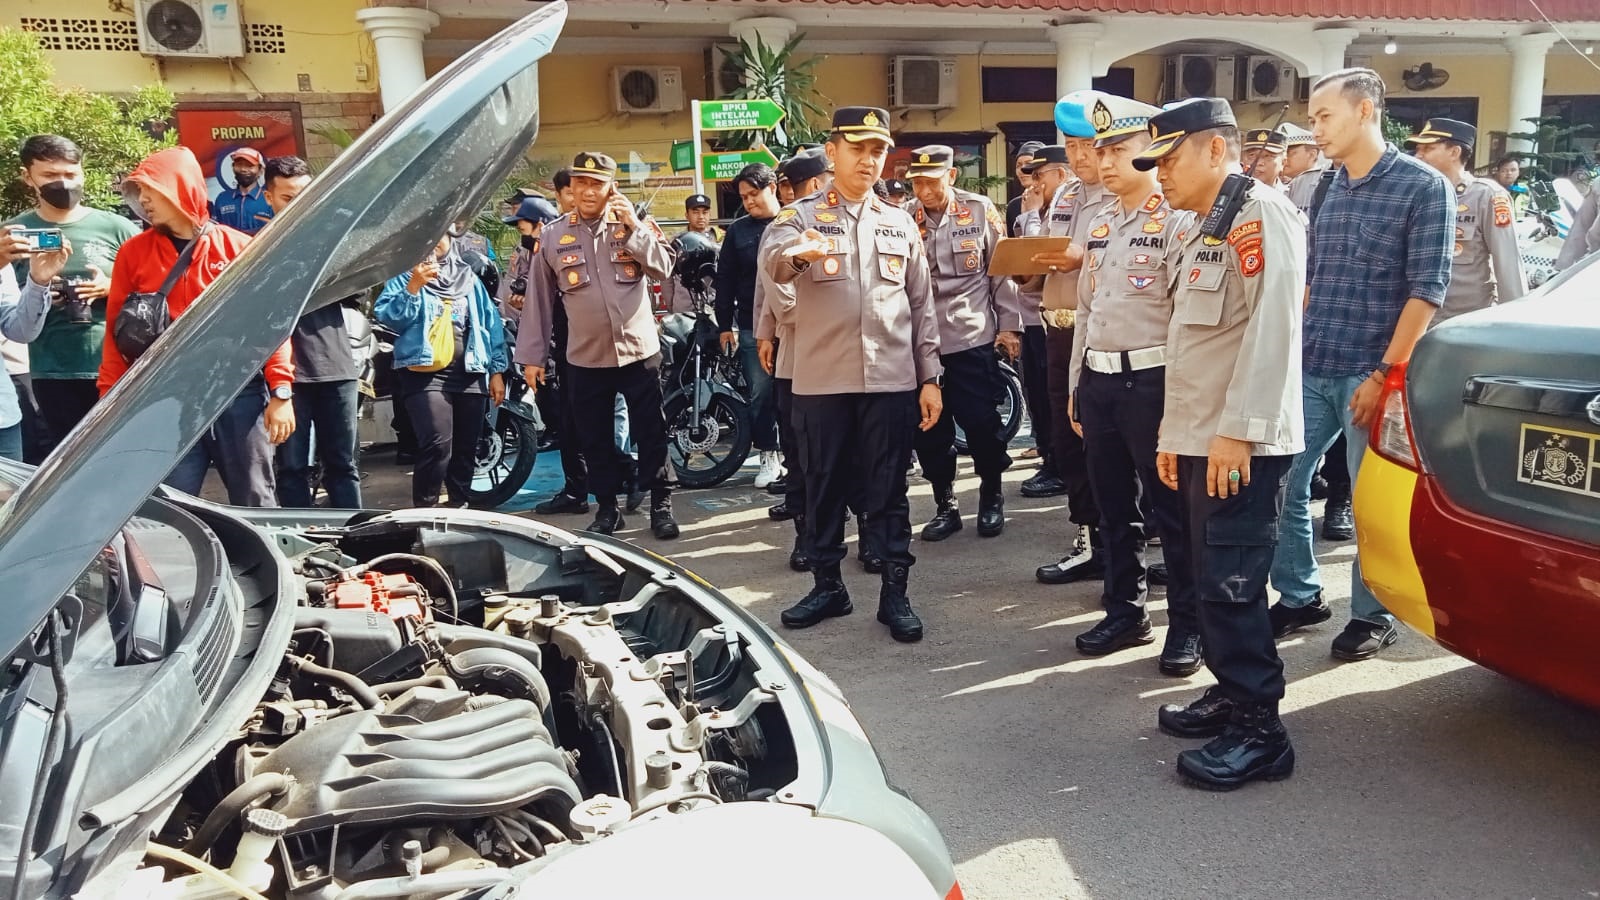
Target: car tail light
{"x": 1390, "y": 436}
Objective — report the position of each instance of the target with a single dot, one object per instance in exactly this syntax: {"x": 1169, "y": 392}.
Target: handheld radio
{"x": 1219, "y": 221}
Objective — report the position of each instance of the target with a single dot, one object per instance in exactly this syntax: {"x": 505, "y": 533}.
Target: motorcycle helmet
{"x": 697, "y": 261}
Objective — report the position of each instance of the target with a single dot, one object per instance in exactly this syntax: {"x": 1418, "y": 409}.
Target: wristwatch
{"x": 283, "y": 392}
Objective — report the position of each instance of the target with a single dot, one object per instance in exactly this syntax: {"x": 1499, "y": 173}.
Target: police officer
{"x": 598, "y": 260}
{"x": 1232, "y": 427}
{"x": 867, "y": 336}
{"x": 1066, "y": 213}
{"x": 1045, "y": 175}
{"x": 977, "y": 313}
{"x": 1487, "y": 266}
{"x": 1303, "y": 157}
{"x": 1264, "y": 150}
{"x": 697, "y": 210}
{"x": 898, "y": 192}
{"x": 806, "y": 172}
{"x": 1118, "y": 369}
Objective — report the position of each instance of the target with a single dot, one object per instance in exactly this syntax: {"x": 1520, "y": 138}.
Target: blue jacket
{"x": 409, "y": 315}
{"x": 247, "y": 212}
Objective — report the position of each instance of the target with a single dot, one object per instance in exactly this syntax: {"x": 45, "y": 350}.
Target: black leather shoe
{"x": 1254, "y": 745}
{"x": 798, "y": 561}
{"x": 1182, "y": 655}
{"x": 1207, "y": 716}
{"x": 782, "y": 512}
{"x": 607, "y": 519}
{"x": 1287, "y": 619}
{"x": 946, "y": 520}
{"x": 1085, "y": 563}
{"x": 871, "y": 562}
{"x": 1156, "y": 574}
{"x": 781, "y": 486}
{"x": 1044, "y": 484}
{"x": 828, "y": 599}
{"x": 1363, "y": 640}
{"x": 1112, "y": 635}
{"x": 894, "y": 610}
{"x": 561, "y": 504}
{"x": 991, "y": 511}
{"x": 1339, "y": 515}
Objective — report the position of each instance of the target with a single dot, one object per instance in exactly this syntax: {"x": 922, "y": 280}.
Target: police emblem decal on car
{"x": 1558, "y": 459}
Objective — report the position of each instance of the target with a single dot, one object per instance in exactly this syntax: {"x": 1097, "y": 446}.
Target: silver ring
{"x": 1233, "y": 475}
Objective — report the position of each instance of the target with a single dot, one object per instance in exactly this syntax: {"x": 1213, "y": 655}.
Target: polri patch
{"x": 1101, "y": 230}
{"x": 1253, "y": 227}
{"x": 1502, "y": 211}
{"x": 567, "y": 239}
{"x": 1154, "y": 227}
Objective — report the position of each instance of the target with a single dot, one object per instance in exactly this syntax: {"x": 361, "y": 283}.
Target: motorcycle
{"x": 1009, "y": 402}
{"x": 708, "y": 418}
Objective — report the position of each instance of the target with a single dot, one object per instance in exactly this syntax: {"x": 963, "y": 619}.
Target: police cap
{"x": 1170, "y": 126}
{"x": 862, "y": 123}
{"x": 1436, "y": 130}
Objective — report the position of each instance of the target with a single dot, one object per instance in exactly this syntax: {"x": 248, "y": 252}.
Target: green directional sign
{"x": 682, "y": 156}
{"x": 724, "y": 166}
{"x": 738, "y": 115}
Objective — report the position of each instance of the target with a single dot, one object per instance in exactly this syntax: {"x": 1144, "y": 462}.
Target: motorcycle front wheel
{"x": 1010, "y": 405}
{"x": 505, "y": 458}
{"x": 708, "y": 454}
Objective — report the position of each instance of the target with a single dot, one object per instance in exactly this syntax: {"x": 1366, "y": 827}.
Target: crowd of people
{"x": 1202, "y": 355}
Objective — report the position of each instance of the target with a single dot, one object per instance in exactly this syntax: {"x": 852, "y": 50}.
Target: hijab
{"x": 455, "y": 276}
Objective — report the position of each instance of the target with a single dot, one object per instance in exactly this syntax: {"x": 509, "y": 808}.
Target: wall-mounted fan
{"x": 1425, "y": 77}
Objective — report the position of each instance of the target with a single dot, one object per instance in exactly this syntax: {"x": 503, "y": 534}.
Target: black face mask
{"x": 529, "y": 241}
{"x": 244, "y": 179}
{"x": 61, "y": 194}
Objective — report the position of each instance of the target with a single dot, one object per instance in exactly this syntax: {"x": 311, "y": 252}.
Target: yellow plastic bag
{"x": 441, "y": 340}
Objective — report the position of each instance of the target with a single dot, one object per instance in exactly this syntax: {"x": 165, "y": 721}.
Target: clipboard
{"x": 1014, "y": 255}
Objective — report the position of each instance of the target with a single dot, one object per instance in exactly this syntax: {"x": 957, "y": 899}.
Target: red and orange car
{"x": 1478, "y": 504}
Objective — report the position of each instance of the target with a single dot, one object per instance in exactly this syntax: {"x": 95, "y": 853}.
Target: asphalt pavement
{"x": 1419, "y": 775}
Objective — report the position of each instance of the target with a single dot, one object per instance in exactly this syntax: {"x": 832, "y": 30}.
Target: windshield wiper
{"x": 58, "y": 632}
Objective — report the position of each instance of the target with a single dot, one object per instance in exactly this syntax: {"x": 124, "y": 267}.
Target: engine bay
{"x": 459, "y": 701}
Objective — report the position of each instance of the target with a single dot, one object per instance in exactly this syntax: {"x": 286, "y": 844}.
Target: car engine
{"x": 430, "y": 729}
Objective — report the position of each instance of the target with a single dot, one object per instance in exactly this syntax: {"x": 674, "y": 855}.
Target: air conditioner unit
{"x": 724, "y": 72}
{"x": 1269, "y": 79}
{"x": 1189, "y": 75}
{"x": 194, "y": 28}
{"x": 922, "y": 82}
{"x": 647, "y": 89}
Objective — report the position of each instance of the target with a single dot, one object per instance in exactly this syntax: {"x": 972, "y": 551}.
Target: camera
{"x": 519, "y": 287}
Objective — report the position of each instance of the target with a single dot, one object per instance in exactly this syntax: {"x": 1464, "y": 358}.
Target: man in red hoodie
{"x": 169, "y": 190}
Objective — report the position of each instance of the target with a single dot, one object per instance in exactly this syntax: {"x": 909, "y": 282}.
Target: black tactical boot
{"x": 1182, "y": 654}
{"x": 1206, "y": 717}
{"x": 866, "y": 551}
{"x": 782, "y": 512}
{"x": 991, "y": 509}
{"x": 1254, "y": 745}
{"x": 946, "y": 519}
{"x": 630, "y": 486}
{"x": 827, "y": 599}
{"x": 894, "y": 610}
{"x": 607, "y": 519}
{"x": 566, "y": 501}
{"x": 798, "y": 560}
{"x": 1086, "y": 562}
{"x": 662, "y": 524}
{"x": 1111, "y": 635}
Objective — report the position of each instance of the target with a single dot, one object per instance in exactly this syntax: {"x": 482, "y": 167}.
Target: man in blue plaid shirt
{"x": 1379, "y": 263}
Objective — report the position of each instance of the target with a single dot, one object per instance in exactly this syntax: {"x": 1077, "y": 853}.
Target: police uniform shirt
{"x": 1233, "y": 345}
{"x": 972, "y": 304}
{"x": 773, "y": 312}
{"x": 864, "y": 314}
{"x": 1302, "y": 188}
{"x": 1487, "y": 263}
{"x": 1124, "y": 296}
{"x": 1070, "y": 212}
{"x": 600, "y": 271}
{"x": 521, "y": 261}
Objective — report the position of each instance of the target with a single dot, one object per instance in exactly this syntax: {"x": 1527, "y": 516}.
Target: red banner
{"x": 215, "y": 131}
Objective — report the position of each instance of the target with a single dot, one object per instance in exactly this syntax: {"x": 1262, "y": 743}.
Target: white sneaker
{"x": 771, "y": 468}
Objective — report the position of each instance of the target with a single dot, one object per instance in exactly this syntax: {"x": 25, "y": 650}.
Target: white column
{"x": 1334, "y": 42}
{"x": 774, "y": 31}
{"x": 397, "y": 34}
{"x": 1527, "y": 83}
{"x": 1075, "y": 55}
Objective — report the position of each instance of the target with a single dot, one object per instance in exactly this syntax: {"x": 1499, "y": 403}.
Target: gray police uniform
{"x": 1118, "y": 378}
{"x": 1233, "y": 369}
{"x": 865, "y": 338}
{"x": 600, "y": 272}
{"x": 972, "y": 307}
{"x": 1303, "y": 187}
{"x": 1487, "y": 265}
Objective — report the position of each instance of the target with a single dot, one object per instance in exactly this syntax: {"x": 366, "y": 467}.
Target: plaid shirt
{"x": 1376, "y": 242}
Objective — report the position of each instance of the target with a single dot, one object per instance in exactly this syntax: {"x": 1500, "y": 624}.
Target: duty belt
{"x": 1115, "y": 362}
{"x": 1059, "y": 318}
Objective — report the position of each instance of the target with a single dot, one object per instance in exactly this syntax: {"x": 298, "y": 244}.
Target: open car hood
{"x": 372, "y": 214}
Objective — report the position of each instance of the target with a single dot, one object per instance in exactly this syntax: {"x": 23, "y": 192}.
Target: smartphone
{"x": 611, "y": 216}
{"x": 40, "y": 240}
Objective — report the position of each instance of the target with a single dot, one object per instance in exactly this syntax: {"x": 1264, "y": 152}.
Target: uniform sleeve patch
{"x": 1248, "y": 229}
{"x": 994, "y": 219}
{"x": 785, "y": 215}
{"x": 1502, "y": 211}
{"x": 1252, "y": 256}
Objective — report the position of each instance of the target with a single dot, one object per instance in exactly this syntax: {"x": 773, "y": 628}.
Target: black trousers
{"x": 1231, "y": 543}
{"x": 1336, "y": 465}
{"x": 447, "y": 426}
{"x": 789, "y": 443}
{"x": 36, "y": 438}
{"x": 1121, "y": 417}
{"x": 972, "y": 388}
{"x": 63, "y": 402}
{"x": 1070, "y": 462}
{"x": 592, "y": 396}
{"x": 1036, "y": 391}
{"x": 856, "y": 444}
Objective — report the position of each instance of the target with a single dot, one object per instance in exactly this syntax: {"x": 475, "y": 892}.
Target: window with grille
{"x": 83, "y": 34}
{"x": 260, "y": 38}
